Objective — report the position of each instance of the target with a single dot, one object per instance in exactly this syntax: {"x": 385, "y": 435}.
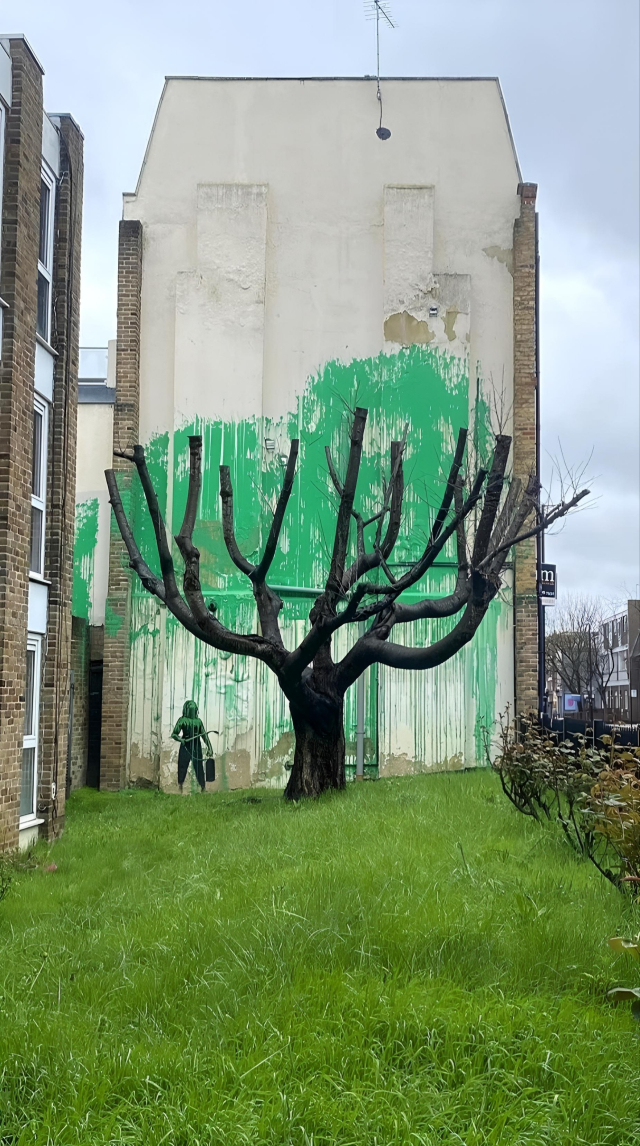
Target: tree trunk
{"x": 318, "y": 762}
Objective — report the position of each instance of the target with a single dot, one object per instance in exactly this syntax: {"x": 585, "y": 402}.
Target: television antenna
{"x": 377, "y": 10}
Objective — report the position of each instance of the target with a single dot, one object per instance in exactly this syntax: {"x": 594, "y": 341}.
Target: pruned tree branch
{"x": 312, "y": 682}
{"x": 341, "y": 540}
{"x": 546, "y": 520}
{"x": 228, "y": 531}
{"x": 495, "y": 483}
{"x": 152, "y": 583}
{"x": 450, "y": 486}
{"x": 393, "y": 497}
{"x": 260, "y": 572}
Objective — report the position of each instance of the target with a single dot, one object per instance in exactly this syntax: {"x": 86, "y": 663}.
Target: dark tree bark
{"x": 318, "y": 762}
{"x": 504, "y": 512}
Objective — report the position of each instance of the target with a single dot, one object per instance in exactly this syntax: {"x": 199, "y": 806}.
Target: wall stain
{"x": 407, "y": 330}
{"x": 235, "y": 769}
{"x": 450, "y": 317}
{"x": 402, "y": 765}
{"x": 273, "y": 760}
{"x": 502, "y": 254}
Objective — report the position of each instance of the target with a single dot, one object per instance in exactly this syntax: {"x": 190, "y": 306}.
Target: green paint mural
{"x": 412, "y": 718}
{"x": 426, "y": 388}
{"x": 84, "y": 551}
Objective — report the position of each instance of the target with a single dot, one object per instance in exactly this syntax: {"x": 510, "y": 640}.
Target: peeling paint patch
{"x": 502, "y": 254}
{"x": 450, "y": 317}
{"x": 274, "y": 759}
{"x": 406, "y": 330}
{"x": 235, "y": 769}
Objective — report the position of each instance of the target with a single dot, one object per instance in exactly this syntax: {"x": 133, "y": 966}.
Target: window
{"x": 45, "y": 255}
{"x": 29, "y": 787}
{"x": 38, "y": 486}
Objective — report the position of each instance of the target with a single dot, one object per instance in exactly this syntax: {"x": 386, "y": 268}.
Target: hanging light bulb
{"x": 378, "y": 8}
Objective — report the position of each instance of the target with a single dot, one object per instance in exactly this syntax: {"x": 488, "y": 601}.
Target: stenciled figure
{"x": 189, "y": 733}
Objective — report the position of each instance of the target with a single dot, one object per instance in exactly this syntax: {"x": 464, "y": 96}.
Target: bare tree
{"x": 487, "y": 514}
{"x": 575, "y": 651}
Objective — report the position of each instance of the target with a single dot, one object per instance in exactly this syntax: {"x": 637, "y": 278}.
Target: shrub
{"x": 591, "y": 789}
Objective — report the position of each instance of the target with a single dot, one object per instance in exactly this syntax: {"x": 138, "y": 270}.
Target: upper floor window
{"x": 38, "y": 486}
{"x": 45, "y": 254}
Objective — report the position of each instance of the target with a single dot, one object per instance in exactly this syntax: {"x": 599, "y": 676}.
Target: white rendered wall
{"x": 281, "y": 234}
{"x": 94, "y": 455}
{"x": 312, "y": 144}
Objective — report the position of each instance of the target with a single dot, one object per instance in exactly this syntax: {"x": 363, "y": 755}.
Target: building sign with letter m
{"x": 547, "y": 584}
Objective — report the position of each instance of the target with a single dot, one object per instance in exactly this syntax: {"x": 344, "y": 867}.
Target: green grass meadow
{"x": 410, "y": 962}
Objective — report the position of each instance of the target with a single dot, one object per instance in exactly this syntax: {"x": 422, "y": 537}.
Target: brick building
{"x": 41, "y": 181}
{"x": 275, "y": 259}
{"x": 621, "y": 638}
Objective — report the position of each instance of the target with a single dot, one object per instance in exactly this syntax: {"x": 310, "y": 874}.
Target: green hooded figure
{"x": 189, "y": 732}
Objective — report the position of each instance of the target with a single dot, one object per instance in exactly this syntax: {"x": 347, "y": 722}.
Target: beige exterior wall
{"x": 306, "y": 155}
{"x": 94, "y": 456}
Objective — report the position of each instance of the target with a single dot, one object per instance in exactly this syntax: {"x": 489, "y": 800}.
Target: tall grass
{"x": 410, "y": 962}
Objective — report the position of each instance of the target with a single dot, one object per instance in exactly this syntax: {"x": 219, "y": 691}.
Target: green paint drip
{"x": 112, "y": 621}
{"x": 84, "y": 551}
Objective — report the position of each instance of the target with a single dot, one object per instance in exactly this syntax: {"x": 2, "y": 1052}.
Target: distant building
{"x": 41, "y": 181}
{"x": 96, "y": 397}
{"x": 621, "y": 637}
{"x": 276, "y": 260}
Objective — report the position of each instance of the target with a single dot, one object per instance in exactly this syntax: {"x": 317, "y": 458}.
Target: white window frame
{"x": 39, "y": 499}
{"x": 30, "y": 740}
{"x": 45, "y": 269}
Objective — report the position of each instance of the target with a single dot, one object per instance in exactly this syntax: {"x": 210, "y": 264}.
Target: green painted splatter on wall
{"x": 113, "y": 622}
{"x": 429, "y": 389}
{"x": 84, "y": 551}
{"x": 426, "y": 388}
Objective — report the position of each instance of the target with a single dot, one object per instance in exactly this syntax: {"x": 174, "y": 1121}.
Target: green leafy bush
{"x": 591, "y": 789}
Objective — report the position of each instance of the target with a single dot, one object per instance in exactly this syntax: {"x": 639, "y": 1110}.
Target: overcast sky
{"x": 569, "y": 73}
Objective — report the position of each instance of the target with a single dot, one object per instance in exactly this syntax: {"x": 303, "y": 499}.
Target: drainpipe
{"x": 360, "y": 718}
